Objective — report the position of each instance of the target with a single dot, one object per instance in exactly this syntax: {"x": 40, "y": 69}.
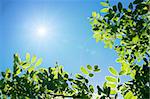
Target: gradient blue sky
{"x": 69, "y": 38}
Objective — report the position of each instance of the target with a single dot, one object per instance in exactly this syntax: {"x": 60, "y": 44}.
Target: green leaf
{"x": 94, "y": 14}
{"x": 89, "y": 67}
{"x": 120, "y": 6}
{"x": 31, "y": 69}
{"x": 83, "y": 70}
{"x": 39, "y": 61}
{"x": 33, "y": 59}
{"x": 137, "y": 1}
{"x": 135, "y": 39}
{"x": 129, "y": 95}
{"x": 96, "y": 69}
{"x": 104, "y": 10}
{"x": 115, "y": 8}
{"x": 8, "y": 71}
{"x": 122, "y": 73}
{"x": 91, "y": 88}
{"x": 78, "y": 76}
{"x": 18, "y": 71}
{"x": 97, "y": 36}
{"x": 112, "y": 85}
{"x": 113, "y": 92}
{"x": 104, "y": 4}
{"x": 7, "y": 74}
{"x": 113, "y": 71}
{"x": 133, "y": 73}
{"x": 27, "y": 57}
{"x": 111, "y": 79}
{"x": 99, "y": 90}
{"x": 25, "y": 66}
{"x": 91, "y": 75}
{"x": 95, "y": 66}
{"x": 131, "y": 6}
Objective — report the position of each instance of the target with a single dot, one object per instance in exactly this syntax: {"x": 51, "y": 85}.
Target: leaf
{"x": 133, "y": 73}
{"x": 113, "y": 71}
{"x": 89, "y": 67}
{"x": 99, "y": 90}
{"x": 111, "y": 79}
{"x": 91, "y": 75}
{"x": 83, "y": 70}
{"x": 27, "y": 57}
{"x": 18, "y": 71}
{"x": 8, "y": 71}
{"x": 94, "y": 14}
{"x": 35, "y": 78}
{"x": 104, "y": 10}
{"x": 115, "y": 8}
{"x": 113, "y": 92}
{"x": 97, "y": 36}
{"x": 96, "y": 69}
{"x": 33, "y": 59}
{"x": 135, "y": 39}
{"x": 91, "y": 88}
{"x": 104, "y": 4}
{"x": 120, "y": 6}
{"x": 131, "y": 6}
{"x": 78, "y": 76}
{"x": 25, "y": 66}
{"x": 39, "y": 61}
{"x": 31, "y": 69}
{"x": 129, "y": 95}
{"x": 112, "y": 85}
{"x": 137, "y": 1}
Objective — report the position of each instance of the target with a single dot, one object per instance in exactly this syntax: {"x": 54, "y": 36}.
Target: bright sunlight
{"x": 41, "y": 31}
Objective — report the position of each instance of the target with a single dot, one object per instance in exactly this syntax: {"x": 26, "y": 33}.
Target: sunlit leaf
{"x": 104, "y": 4}
{"x": 79, "y": 76}
{"x": 94, "y": 14}
{"x": 33, "y": 59}
{"x": 27, "y": 57}
{"x": 39, "y": 61}
{"x": 113, "y": 71}
{"x": 112, "y": 85}
{"x": 8, "y": 70}
{"x": 84, "y": 71}
{"x": 91, "y": 88}
{"x": 111, "y": 79}
{"x": 129, "y": 95}
{"x": 104, "y": 10}
{"x": 135, "y": 39}
{"x": 133, "y": 73}
{"x": 113, "y": 92}
{"x": 25, "y": 66}
{"x": 18, "y": 71}
{"x": 30, "y": 69}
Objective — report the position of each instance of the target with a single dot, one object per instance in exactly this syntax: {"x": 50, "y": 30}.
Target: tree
{"x": 124, "y": 29}
{"x": 127, "y": 31}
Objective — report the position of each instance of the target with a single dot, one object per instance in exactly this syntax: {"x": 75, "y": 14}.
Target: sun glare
{"x": 41, "y": 31}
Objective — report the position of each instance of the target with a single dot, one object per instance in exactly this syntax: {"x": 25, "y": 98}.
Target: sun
{"x": 41, "y": 31}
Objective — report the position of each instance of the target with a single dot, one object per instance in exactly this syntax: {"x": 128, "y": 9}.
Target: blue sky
{"x": 68, "y": 40}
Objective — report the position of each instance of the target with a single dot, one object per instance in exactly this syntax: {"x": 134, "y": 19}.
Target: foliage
{"x": 25, "y": 81}
{"x": 126, "y": 30}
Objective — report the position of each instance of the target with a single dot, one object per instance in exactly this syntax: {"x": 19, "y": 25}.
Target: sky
{"x": 67, "y": 39}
